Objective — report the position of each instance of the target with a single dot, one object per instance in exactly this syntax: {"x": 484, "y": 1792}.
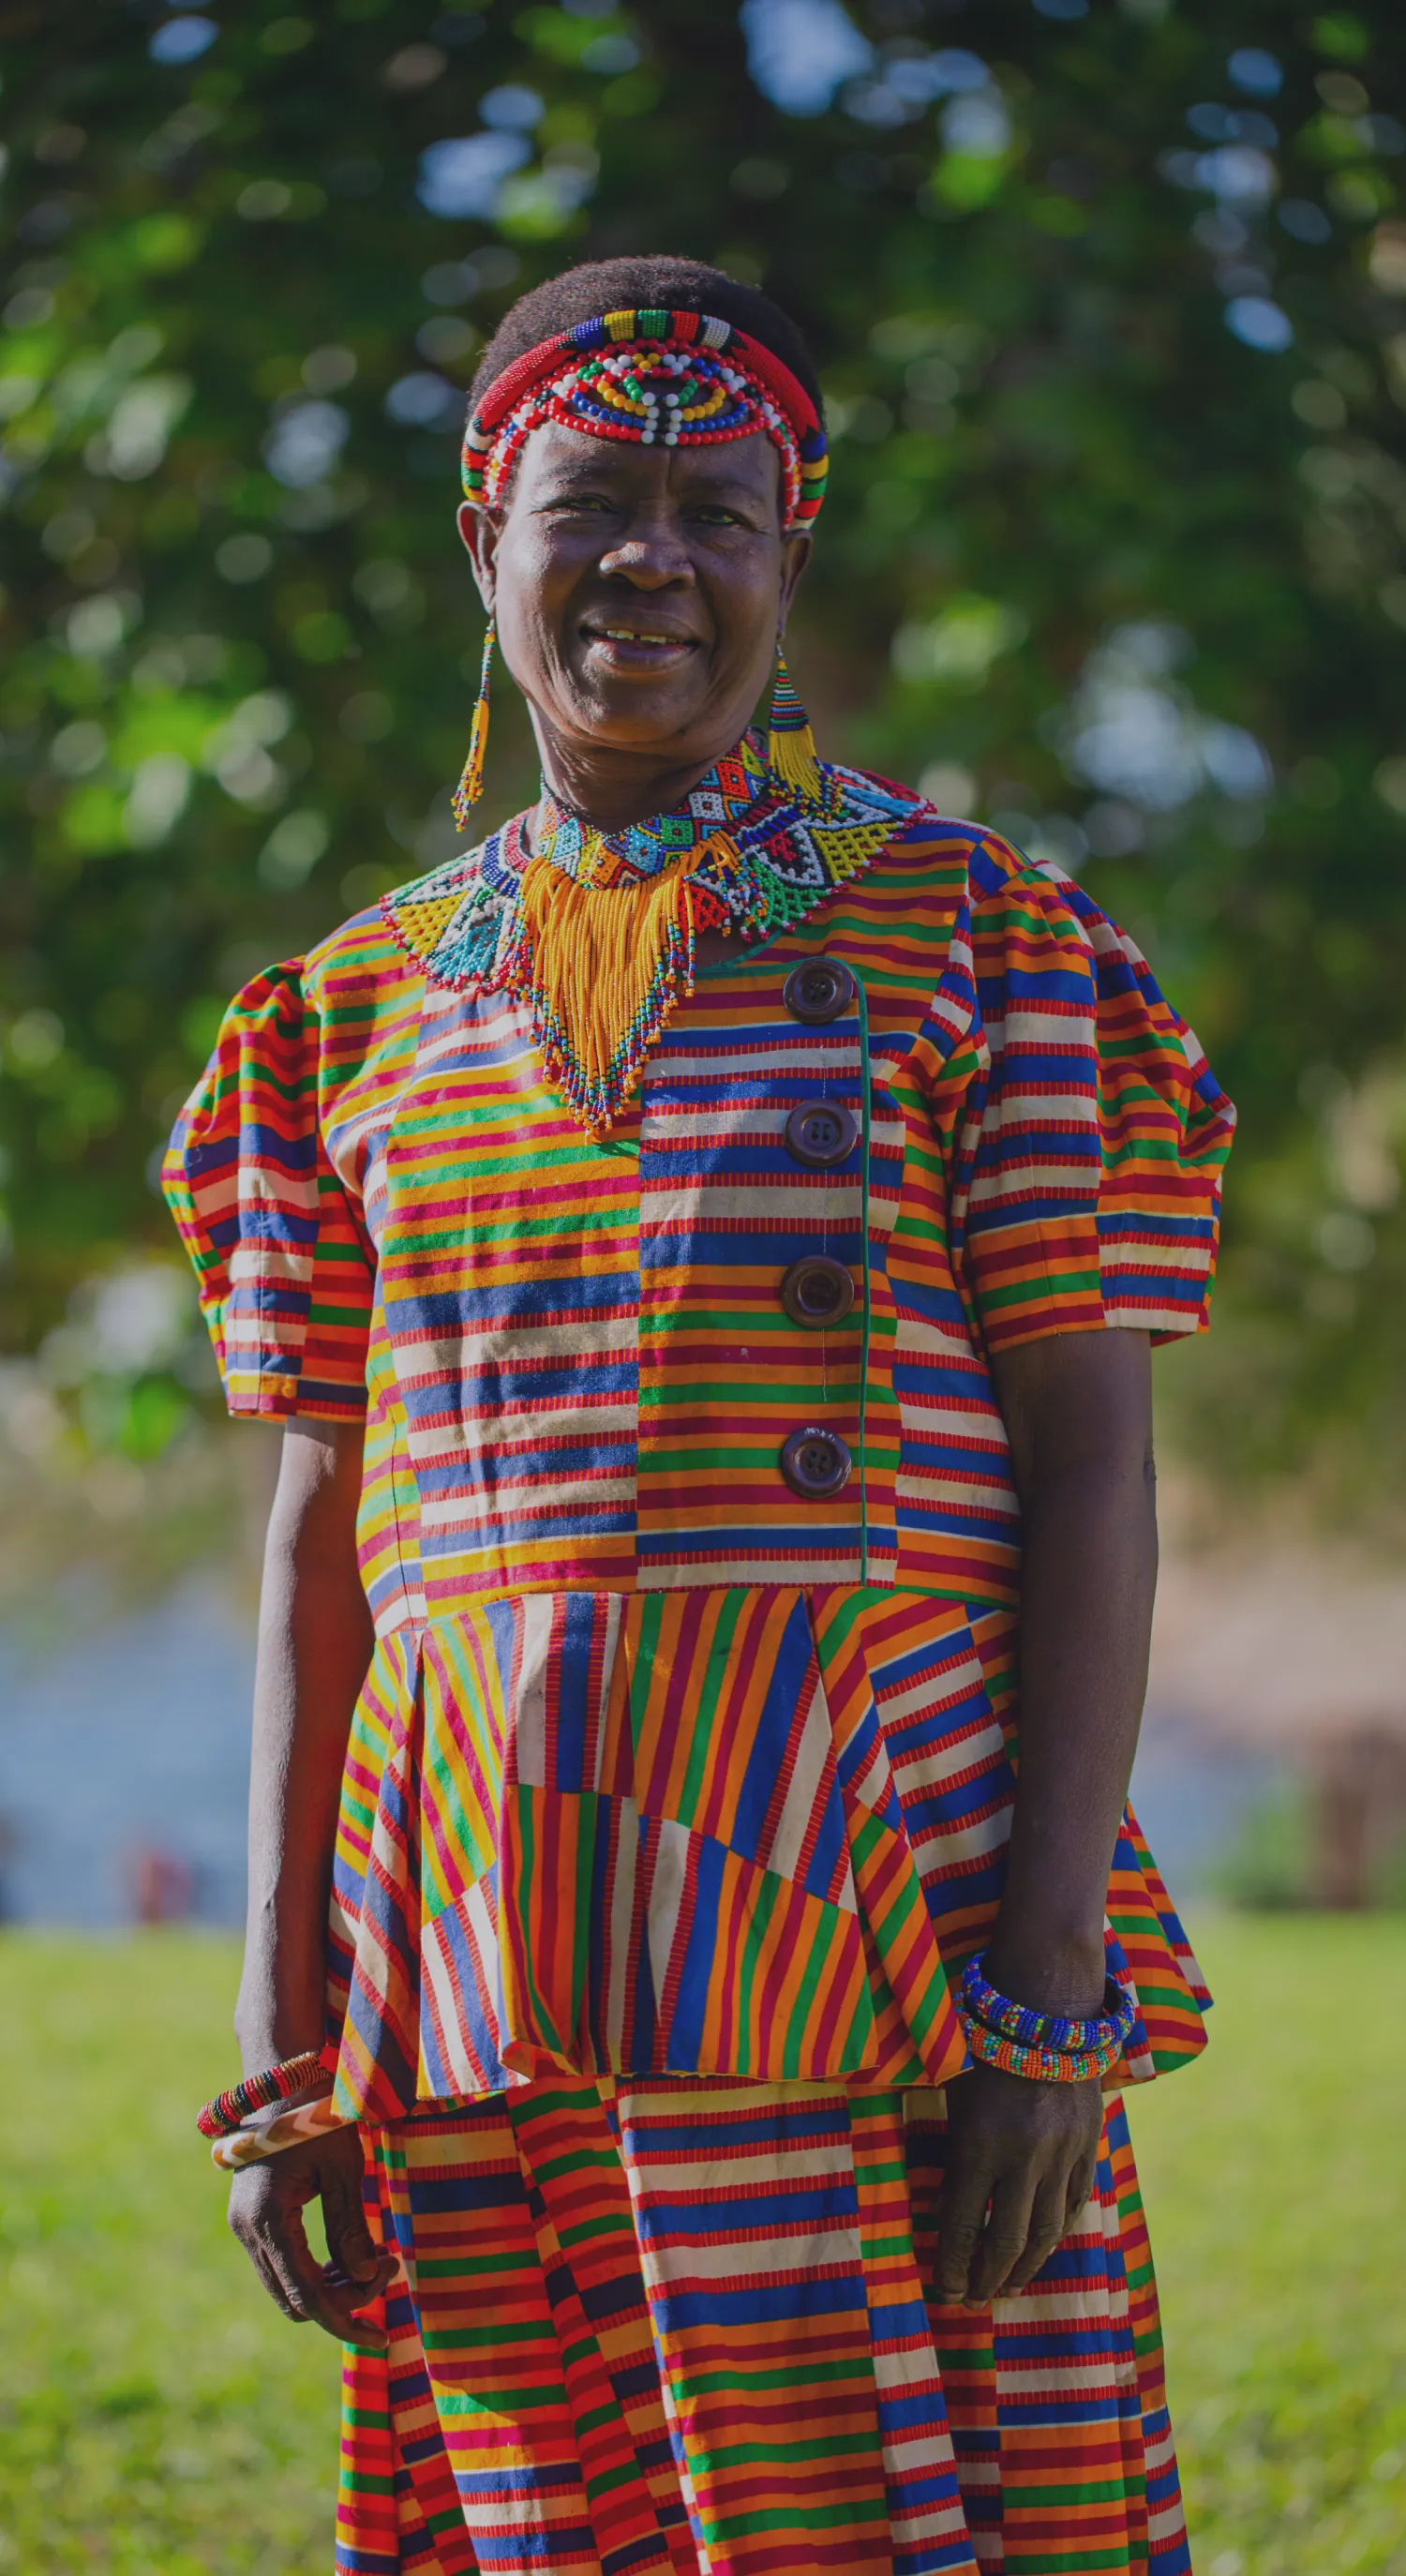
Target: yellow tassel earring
{"x": 790, "y": 743}
{"x": 470, "y": 787}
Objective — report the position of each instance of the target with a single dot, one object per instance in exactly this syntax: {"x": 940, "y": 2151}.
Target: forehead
{"x": 553, "y": 455}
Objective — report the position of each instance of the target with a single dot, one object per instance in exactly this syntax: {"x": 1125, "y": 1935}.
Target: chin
{"x": 635, "y": 718}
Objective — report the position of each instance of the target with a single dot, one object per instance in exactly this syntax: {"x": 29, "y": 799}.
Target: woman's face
{"x": 639, "y": 592}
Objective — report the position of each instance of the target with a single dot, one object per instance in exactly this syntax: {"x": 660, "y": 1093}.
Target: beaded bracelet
{"x": 1042, "y": 2065}
{"x": 219, "y": 2118}
{"x": 1030, "y": 2029}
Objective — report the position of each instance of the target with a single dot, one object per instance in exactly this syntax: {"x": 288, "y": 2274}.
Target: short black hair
{"x": 655, "y": 284}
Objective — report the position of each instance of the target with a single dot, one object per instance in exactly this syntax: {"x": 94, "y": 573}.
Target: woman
{"x": 706, "y": 1244}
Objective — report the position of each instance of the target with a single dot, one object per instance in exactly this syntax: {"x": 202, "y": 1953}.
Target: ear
{"x": 481, "y": 530}
{"x": 795, "y": 555}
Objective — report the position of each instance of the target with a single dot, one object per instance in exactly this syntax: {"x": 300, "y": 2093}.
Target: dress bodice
{"x": 688, "y": 1521}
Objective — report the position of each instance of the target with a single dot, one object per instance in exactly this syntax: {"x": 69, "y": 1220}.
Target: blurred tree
{"x": 1111, "y": 309}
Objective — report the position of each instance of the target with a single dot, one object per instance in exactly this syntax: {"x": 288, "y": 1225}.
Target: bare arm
{"x": 1079, "y": 1413}
{"x": 314, "y": 1646}
{"x": 1078, "y": 1409}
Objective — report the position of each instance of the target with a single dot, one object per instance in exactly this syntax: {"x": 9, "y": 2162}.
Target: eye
{"x": 716, "y": 514}
{"x": 571, "y": 504}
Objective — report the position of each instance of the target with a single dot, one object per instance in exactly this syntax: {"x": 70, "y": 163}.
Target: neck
{"x": 614, "y": 787}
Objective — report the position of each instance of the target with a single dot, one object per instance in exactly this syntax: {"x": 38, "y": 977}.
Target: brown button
{"x": 817, "y": 1291}
{"x": 820, "y": 1132}
{"x": 815, "y": 1464}
{"x": 818, "y": 991}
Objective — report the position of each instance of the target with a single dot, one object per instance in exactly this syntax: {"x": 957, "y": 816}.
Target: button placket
{"x": 720, "y": 1190}
{"x": 818, "y": 1291}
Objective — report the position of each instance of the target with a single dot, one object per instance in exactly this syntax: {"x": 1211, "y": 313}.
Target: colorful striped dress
{"x": 682, "y": 1774}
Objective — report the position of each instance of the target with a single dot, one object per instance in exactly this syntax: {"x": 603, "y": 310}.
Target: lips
{"x": 637, "y": 635}
{"x": 636, "y": 640}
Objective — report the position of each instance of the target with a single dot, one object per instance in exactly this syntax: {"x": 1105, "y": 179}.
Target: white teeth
{"x": 634, "y": 635}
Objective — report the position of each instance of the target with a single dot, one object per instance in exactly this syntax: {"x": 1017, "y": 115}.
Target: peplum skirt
{"x": 738, "y": 1832}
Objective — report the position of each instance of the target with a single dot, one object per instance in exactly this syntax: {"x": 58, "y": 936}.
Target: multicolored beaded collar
{"x": 596, "y": 930}
{"x": 681, "y": 379}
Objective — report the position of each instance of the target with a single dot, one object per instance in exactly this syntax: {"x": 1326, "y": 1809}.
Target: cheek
{"x": 531, "y": 590}
{"x": 749, "y": 610}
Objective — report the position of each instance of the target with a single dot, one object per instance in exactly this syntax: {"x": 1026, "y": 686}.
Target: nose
{"x": 650, "y": 555}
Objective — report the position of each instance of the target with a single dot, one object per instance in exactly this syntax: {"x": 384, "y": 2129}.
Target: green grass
{"x": 157, "y": 2415}
{"x": 1275, "y": 2179}
{"x": 159, "y": 2418}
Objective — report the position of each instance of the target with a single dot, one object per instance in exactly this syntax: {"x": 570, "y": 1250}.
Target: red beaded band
{"x": 647, "y": 377}
{"x": 218, "y": 2119}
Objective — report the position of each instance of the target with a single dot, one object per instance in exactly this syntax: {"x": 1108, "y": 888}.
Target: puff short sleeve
{"x": 1095, "y": 1133}
{"x": 282, "y": 1260}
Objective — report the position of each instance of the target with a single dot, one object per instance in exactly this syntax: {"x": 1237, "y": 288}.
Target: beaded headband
{"x": 675, "y": 379}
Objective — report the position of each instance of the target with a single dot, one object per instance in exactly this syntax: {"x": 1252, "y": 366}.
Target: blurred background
{"x": 1109, "y": 301}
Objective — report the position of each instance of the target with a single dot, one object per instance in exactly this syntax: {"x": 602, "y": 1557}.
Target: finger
{"x": 350, "y": 2243}
{"x": 961, "y": 2211}
{"x": 362, "y": 2292}
{"x": 1045, "y": 2231}
{"x": 315, "y": 2294}
{"x": 319, "y": 2298}
{"x": 274, "y": 2286}
{"x": 282, "y": 2241}
{"x": 338, "y": 2308}
{"x": 251, "y": 2230}
{"x": 351, "y": 2309}
{"x": 1080, "y": 2192}
{"x": 1006, "y": 2234}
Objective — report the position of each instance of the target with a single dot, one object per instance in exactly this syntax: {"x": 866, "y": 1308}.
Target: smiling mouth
{"x": 651, "y": 637}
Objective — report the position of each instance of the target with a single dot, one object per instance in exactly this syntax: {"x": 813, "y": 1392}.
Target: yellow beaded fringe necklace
{"x": 596, "y": 931}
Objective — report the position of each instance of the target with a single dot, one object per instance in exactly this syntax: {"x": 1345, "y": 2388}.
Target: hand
{"x": 266, "y": 2204}
{"x": 1021, "y": 2158}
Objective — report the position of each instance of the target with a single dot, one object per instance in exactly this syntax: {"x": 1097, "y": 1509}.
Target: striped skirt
{"x": 662, "y": 2325}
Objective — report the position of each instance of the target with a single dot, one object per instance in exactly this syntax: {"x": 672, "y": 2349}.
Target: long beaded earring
{"x": 470, "y": 787}
{"x": 790, "y": 743}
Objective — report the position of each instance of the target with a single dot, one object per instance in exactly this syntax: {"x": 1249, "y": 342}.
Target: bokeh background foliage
{"x": 1110, "y": 305}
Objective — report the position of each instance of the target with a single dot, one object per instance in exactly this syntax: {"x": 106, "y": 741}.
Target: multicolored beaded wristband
{"x": 219, "y": 2118}
{"x": 1031, "y": 2029}
{"x": 1042, "y": 2065}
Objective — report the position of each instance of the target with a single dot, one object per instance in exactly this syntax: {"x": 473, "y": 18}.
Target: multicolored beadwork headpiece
{"x": 672, "y": 379}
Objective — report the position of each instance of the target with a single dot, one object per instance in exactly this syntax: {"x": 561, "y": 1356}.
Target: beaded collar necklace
{"x": 595, "y": 930}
